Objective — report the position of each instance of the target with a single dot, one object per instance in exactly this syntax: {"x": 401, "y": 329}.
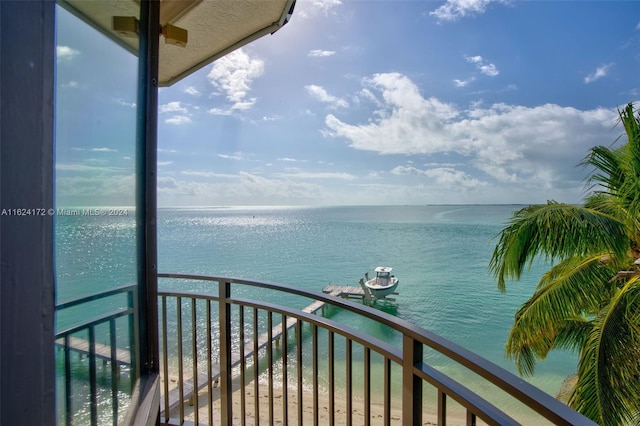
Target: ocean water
{"x": 439, "y": 253}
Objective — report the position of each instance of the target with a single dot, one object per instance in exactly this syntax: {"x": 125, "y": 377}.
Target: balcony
{"x": 233, "y": 355}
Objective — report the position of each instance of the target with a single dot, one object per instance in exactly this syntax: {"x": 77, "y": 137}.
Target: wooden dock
{"x": 351, "y": 292}
{"x": 103, "y": 352}
{"x": 345, "y": 291}
{"x": 263, "y": 340}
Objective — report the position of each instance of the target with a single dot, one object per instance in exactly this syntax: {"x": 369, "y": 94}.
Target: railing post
{"x": 442, "y": 408}
{"x": 224, "y": 292}
{"x": 411, "y": 383}
{"x": 67, "y": 381}
{"x": 134, "y": 350}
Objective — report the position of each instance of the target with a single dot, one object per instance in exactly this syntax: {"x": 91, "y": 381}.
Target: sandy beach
{"x": 263, "y": 414}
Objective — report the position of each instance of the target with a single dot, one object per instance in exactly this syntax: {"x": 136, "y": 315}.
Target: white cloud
{"x": 307, "y": 9}
{"x": 463, "y": 83}
{"x": 483, "y": 66}
{"x": 66, "y": 53}
{"x": 122, "y": 102}
{"x": 234, "y": 74}
{"x": 192, "y": 91}
{"x": 172, "y": 107}
{"x": 535, "y": 146}
{"x": 241, "y": 189}
{"x": 600, "y": 72}
{"x": 96, "y": 160}
{"x": 207, "y": 174}
{"x": 71, "y": 85}
{"x": 489, "y": 69}
{"x": 320, "y": 94}
{"x": 445, "y": 177}
{"x": 178, "y": 120}
{"x": 244, "y": 105}
{"x": 326, "y": 5}
{"x": 103, "y": 149}
{"x": 320, "y": 175}
{"x": 453, "y": 10}
{"x": 220, "y": 111}
{"x": 317, "y": 53}
{"x": 164, "y": 163}
{"x": 74, "y": 167}
{"x": 292, "y": 160}
{"x": 95, "y": 189}
{"x": 236, "y": 156}
{"x": 367, "y": 94}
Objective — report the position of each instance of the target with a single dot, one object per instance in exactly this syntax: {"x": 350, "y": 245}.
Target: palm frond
{"x": 572, "y": 334}
{"x": 608, "y": 387}
{"x": 526, "y": 348}
{"x": 617, "y": 170}
{"x": 630, "y": 190}
{"x": 590, "y": 300}
{"x": 609, "y": 168}
{"x": 554, "y": 231}
{"x": 549, "y": 319}
{"x": 616, "y": 207}
{"x": 631, "y": 123}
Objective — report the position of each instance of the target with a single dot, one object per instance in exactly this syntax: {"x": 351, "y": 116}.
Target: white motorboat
{"x": 383, "y": 284}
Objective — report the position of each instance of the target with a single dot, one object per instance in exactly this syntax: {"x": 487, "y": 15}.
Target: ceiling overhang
{"x": 214, "y": 28}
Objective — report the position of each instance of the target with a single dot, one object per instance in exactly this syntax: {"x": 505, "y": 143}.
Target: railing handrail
{"x": 463, "y": 395}
{"x": 94, "y": 322}
{"x": 483, "y": 408}
{"x": 457, "y": 391}
{"x": 384, "y": 348}
{"x": 531, "y": 396}
{"x": 108, "y": 352}
{"x": 129, "y": 288}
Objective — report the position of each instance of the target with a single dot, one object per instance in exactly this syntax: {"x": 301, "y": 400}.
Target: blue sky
{"x": 363, "y": 102}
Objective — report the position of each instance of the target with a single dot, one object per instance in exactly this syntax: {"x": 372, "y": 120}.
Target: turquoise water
{"x": 439, "y": 253}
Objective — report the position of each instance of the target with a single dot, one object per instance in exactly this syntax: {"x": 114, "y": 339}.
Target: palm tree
{"x": 589, "y": 301}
